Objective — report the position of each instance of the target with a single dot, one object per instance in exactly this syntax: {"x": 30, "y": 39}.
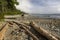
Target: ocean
{"x": 57, "y": 16}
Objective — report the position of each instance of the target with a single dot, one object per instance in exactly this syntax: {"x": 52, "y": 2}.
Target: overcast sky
{"x": 39, "y": 6}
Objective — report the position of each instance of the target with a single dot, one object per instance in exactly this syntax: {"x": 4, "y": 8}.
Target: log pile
{"x": 42, "y": 31}
{"x": 30, "y": 28}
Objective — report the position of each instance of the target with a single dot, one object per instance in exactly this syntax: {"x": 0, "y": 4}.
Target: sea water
{"x": 47, "y": 15}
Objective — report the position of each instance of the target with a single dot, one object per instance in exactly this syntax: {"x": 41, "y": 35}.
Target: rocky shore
{"x": 14, "y": 32}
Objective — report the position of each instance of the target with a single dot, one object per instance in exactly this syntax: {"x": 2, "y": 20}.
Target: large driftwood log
{"x": 44, "y": 32}
{"x": 2, "y": 31}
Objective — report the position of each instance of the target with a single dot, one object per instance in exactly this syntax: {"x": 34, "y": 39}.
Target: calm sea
{"x": 47, "y": 15}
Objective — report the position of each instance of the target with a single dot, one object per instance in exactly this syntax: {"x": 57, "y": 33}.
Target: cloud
{"x": 24, "y": 5}
{"x": 39, "y": 6}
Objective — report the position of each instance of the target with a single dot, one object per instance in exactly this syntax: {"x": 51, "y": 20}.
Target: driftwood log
{"x": 34, "y": 37}
{"x": 43, "y": 32}
{"x": 25, "y": 27}
{"x": 2, "y": 31}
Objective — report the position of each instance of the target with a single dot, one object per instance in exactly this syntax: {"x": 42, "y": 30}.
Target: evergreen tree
{"x": 8, "y": 7}
{"x": 11, "y": 4}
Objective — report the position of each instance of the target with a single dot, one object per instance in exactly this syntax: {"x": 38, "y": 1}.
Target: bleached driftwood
{"x": 43, "y": 32}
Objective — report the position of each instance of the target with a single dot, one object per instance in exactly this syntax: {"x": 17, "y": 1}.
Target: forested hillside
{"x": 7, "y": 7}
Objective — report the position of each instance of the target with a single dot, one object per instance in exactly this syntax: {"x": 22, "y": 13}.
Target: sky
{"x": 39, "y": 6}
